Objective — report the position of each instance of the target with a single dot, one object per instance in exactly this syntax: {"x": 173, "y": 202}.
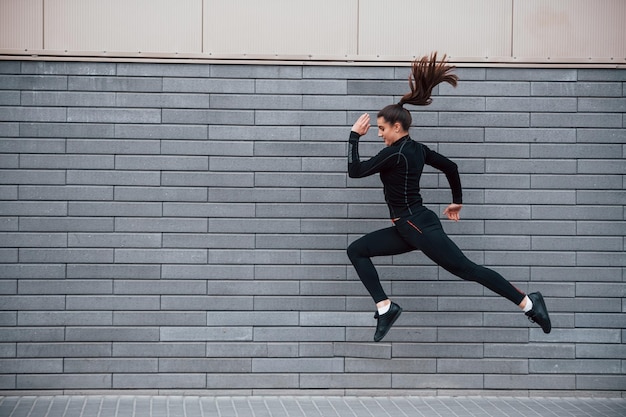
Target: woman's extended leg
{"x": 426, "y": 233}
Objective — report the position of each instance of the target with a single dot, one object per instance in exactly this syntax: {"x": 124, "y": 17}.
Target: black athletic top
{"x": 400, "y": 166}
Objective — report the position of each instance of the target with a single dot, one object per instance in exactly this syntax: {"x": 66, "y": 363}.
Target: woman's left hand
{"x": 452, "y": 211}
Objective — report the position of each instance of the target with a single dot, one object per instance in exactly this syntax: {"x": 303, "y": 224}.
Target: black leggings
{"x": 422, "y": 231}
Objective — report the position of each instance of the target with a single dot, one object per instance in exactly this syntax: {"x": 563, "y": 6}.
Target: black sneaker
{"x": 386, "y": 320}
{"x": 539, "y": 312}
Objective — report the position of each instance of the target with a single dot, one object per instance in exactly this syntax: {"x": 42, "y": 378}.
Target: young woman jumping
{"x": 400, "y": 166}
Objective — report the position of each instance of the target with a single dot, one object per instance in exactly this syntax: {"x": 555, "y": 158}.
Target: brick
{"x": 304, "y": 334}
{"x": 108, "y": 271}
{"x": 161, "y": 225}
{"x": 64, "y": 350}
{"x": 257, "y": 256}
{"x": 580, "y": 89}
{"x": 293, "y": 117}
{"x": 66, "y": 224}
{"x": 256, "y": 195}
{"x": 600, "y": 382}
{"x": 532, "y": 104}
{"x": 297, "y": 303}
{"x": 205, "y": 179}
{"x": 107, "y": 240}
{"x": 254, "y": 164}
{"x": 236, "y": 350}
{"x": 8, "y": 318}
{"x": 109, "y": 146}
{"x": 254, "y": 226}
{"x": 196, "y": 194}
{"x": 206, "y": 85}
{"x": 257, "y": 319}
{"x": 174, "y": 163}
{"x": 257, "y": 381}
{"x": 248, "y": 101}
{"x": 575, "y": 366}
{"x": 10, "y": 98}
{"x": 63, "y": 318}
{"x": 159, "y": 318}
{"x": 162, "y": 349}
{"x": 486, "y": 366}
{"x": 300, "y": 272}
{"x": 533, "y": 135}
{"x": 326, "y": 102}
{"x": 220, "y": 241}
{"x": 486, "y": 119}
{"x": 108, "y": 115}
{"x": 33, "y": 240}
{"x": 530, "y": 197}
{"x": 103, "y": 83}
{"x": 159, "y": 70}
{"x": 205, "y": 365}
{"x": 309, "y": 365}
{"x": 300, "y": 242}
{"x": 114, "y": 209}
{"x": 164, "y": 381}
{"x": 299, "y": 149}
{"x": 578, "y": 244}
{"x": 582, "y": 182}
{"x": 360, "y": 380}
{"x": 149, "y": 256}
{"x": 151, "y": 100}
{"x": 537, "y": 382}
{"x": 577, "y": 213}
{"x": 604, "y": 105}
{"x": 67, "y": 161}
{"x": 63, "y": 381}
{"x": 208, "y": 271}
{"x": 173, "y": 334}
{"x": 211, "y": 210}
{"x": 600, "y": 135}
{"x": 92, "y": 68}
{"x": 65, "y": 193}
{"x": 32, "y": 146}
{"x": 66, "y": 255}
{"x": 26, "y": 271}
{"x": 31, "y": 334}
{"x": 36, "y": 177}
{"x": 93, "y": 177}
{"x": 32, "y": 82}
{"x": 575, "y": 120}
{"x": 380, "y": 87}
{"x": 112, "y": 334}
{"x": 67, "y": 99}
{"x": 159, "y": 287}
{"x": 98, "y": 365}
{"x": 531, "y": 74}
{"x": 66, "y": 130}
{"x": 257, "y": 288}
{"x": 600, "y": 167}
{"x": 161, "y": 131}
{"x": 112, "y": 302}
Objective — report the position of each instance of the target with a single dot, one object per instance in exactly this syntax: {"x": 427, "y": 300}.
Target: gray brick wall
{"x": 182, "y": 228}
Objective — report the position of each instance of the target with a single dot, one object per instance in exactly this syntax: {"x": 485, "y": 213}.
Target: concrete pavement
{"x": 306, "y": 406}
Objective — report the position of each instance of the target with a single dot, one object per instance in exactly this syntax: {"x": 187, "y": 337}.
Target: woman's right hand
{"x": 362, "y": 125}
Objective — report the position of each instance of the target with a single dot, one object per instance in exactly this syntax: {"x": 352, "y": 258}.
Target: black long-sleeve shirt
{"x": 400, "y": 166}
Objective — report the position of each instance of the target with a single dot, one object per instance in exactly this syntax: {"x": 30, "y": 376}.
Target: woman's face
{"x": 390, "y": 133}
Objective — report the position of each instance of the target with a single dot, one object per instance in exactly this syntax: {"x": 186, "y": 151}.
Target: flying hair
{"x": 426, "y": 73}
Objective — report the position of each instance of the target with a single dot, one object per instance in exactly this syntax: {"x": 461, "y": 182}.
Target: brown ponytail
{"x": 426, "y": 74}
